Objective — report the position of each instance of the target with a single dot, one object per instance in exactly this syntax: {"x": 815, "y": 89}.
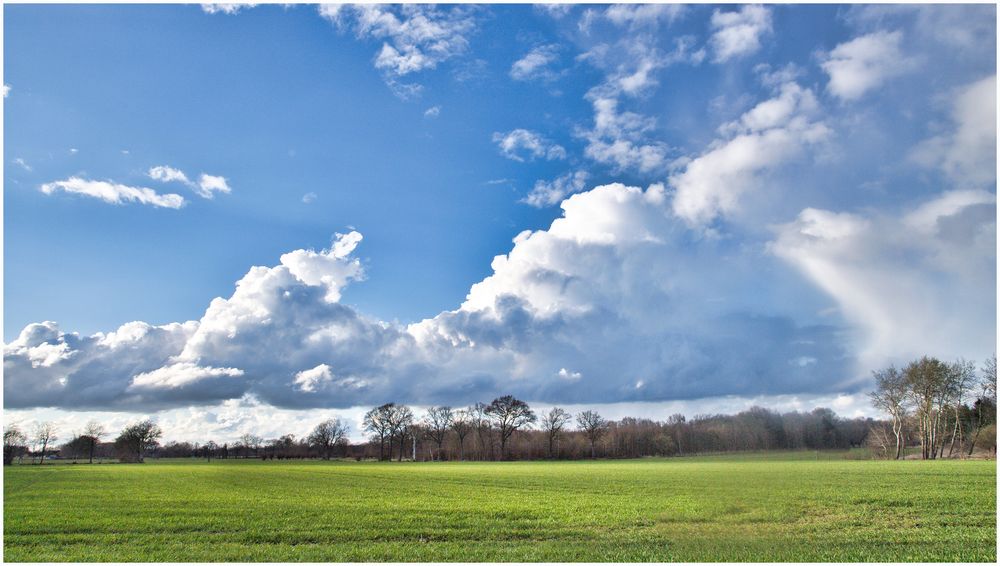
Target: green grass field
{"x": 791, "y": 508}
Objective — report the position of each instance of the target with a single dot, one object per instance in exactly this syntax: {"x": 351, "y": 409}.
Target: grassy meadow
{"x": 786, "y": 508}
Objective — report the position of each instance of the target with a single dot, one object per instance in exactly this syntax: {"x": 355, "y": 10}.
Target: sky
{"x": 238, "y": 218}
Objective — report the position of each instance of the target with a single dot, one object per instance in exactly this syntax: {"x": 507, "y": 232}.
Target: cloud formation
{"x": 967, "y": 153}
{"x": 635, "y": 16}
{"x": 113, "y": 193}
{"x": 228, "y": 9}
{"x": 206, "y": 187}
{"x": 610, "y": 293}
{"x": 738, "y": 33}
{"x": 551, "y": 193}
{"x": 525, "y": 145}
{"x": 865, "y": 63}
{"x": 414, "y": 37}
{"x": 535, "y": 64}
{"x": 921, "y": 282}
{"x": 767, "y": 136}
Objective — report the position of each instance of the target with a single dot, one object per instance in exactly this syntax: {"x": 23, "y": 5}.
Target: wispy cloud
{"x": 113, "y": 193}
{"x": 550, "y": 193}
{"x": 205, "y": 187}
{"x": 229, "y": 9}
{"x": 526, "y": 145}
{"x": 738, "y": 33}
{"x": 414, "y": 37}
{"x": 536, "y": 64}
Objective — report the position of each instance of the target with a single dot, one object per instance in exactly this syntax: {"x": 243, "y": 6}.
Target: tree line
{"x": 946, "y": 410}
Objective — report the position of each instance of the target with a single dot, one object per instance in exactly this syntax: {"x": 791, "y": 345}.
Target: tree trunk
{"x": 955, "y": 432}
{"x": 972, "y": 445}
{"x": 402, "y": 440}
{"x": 92, "y": 444}
{"x": 897, "y": 429}
{"x": 42, "y": 459}
{"x": 593, "y": 452}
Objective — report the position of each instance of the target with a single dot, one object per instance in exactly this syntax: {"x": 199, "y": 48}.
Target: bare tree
{"x": 553, "y": 423}
{"x": 92, "y": 433}
{"x": 928, "y": 383}
{"x": 509, "y": 415}
{"x": 462, "y": 425}
{"x": 593, "y": 426}
{"x": 480, "y": 420}
{"x": 400, "y": 420}
{"x": 880, "y": 440}
{"x": 45, "y": 434}
{"x": 378, "y": 422}
{"x": 210, "y": 448}
{"x": 989, "y": 376}
{"x": 14, "y": 442}
{"x": 252, "y": 442}
{"x": 676, "y": 423}
{"x": 437, "y": 423}
{"x": 890, "y": 396}
{"x": 328, "y": 434}
{"x": 963, "y": 375}
{"x": 137, "y": 438}
{"x": 985, "y": 407}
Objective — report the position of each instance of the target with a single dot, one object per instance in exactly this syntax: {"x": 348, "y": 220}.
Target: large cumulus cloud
{"x": 613, "y": 302}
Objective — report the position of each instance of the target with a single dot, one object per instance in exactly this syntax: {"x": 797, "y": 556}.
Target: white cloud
{"x": 227, "y": 8}
{"x": 166, "y": 174}
{"x": 180, "y": 374}
{"x": 557, "y": 11}
{"x": 611, "y": 291}
{"x": 22, "y": 164}
{"x": 775, "y": 77}
{"x": 967, "y": 154}
{"x": 865, "y": 63}
{"x": 637, "y": 15}
{"x": 330, "y": 268}
{"x": 415, "y": 37}
{"x": 619, "y": 139}
{"x": 6, "y": 90}
{"x": 309, "y": 379}
{"x": 737, "y": 34}
{"x": 535, "y": 64}
{"x": 309, "y": 198}
{"x": 113, "y": 193}
{"x": 922, "y": 282}
{"x": 768, "y": 135}
{"x": 208, "y": 185}
{"x": 550, "y": 193}
{"x": 953, "y": 26}
{"x": 432, "y": 112}
{"x": 525, "y": 145}
{"x": 569, "y": 375}
{"x": 41, "y": 345}
{"x": 624, "y": 139}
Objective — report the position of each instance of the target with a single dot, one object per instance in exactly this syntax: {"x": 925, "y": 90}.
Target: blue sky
{"x": 773, "y": 201}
